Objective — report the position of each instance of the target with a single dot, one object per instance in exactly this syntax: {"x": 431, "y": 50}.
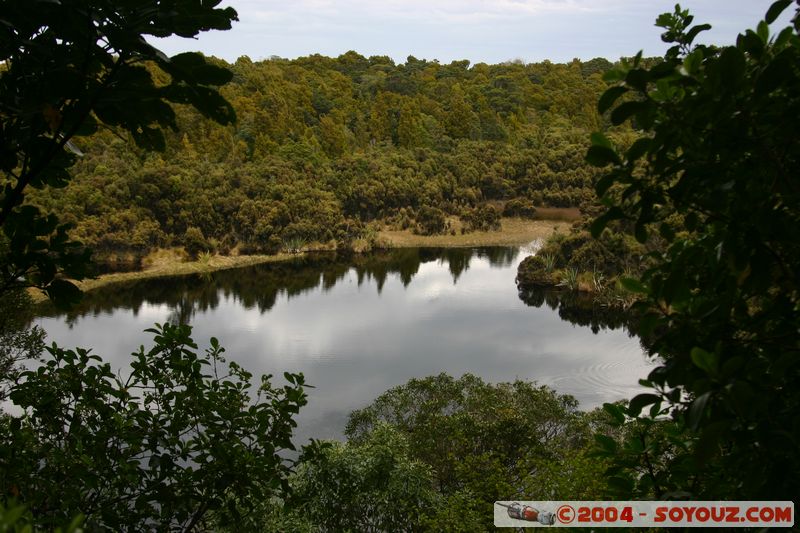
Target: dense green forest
{"x": 324, "y": 146}
{"x": 695, "y": 210}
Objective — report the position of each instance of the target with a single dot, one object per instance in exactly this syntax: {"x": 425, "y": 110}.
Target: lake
{"x": 357, "y": 325}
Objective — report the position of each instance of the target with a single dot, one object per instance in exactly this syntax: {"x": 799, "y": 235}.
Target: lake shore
{"x": 513, "y": 231}
{"x": 166, "y": 263}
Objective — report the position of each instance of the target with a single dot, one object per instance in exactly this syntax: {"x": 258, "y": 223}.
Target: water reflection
{"x": 579, "y": 308}
{"x": 259, "y": 286}
{"x": 359, "y": 325}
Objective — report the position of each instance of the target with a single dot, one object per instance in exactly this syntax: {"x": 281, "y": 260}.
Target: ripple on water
{"x": 594, "y": 381}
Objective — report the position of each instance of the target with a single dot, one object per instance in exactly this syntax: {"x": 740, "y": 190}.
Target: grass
{"x": 564, "y": 214}
{"x": 569, "y": 279}
{"x": 167, "y": 263}
{"x": 512, "y": 231}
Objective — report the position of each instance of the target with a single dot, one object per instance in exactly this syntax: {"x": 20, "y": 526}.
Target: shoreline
{"x": 513, "y": 232}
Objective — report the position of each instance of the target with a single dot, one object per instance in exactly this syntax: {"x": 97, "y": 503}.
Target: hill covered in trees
{"x": 323, "y": 147}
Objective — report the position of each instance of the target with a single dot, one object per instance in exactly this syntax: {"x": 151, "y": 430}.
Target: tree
{"x": 371, "y": 486}
{"x": 179, "y": 436}
{"x": 719, "y": 146}
{"x": 68, "y": 69}
{"x": 482, "y": 442}
{"x": 177, "y": 439}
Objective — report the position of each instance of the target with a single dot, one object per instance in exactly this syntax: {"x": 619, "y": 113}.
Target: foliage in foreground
{"x": 435, "y": 453}
{"x": 720, "y": 146}
{"x": 69, "y": 69}
{"x": 18, "y": 342}
{"x": 177, "y": 439}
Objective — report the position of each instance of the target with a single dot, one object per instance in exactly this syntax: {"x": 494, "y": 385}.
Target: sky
{"x": 490, "y": 31}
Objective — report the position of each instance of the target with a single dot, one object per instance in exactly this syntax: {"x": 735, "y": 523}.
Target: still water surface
{"x": 359, "y": 325}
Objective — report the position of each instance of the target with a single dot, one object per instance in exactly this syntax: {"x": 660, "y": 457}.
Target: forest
{"x": 684, "y": 168}
{"x": 325, "y": 150}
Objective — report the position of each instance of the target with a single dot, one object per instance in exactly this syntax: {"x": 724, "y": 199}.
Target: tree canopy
{"x": 719, "y": 146}
{"x": 323, "y": 147}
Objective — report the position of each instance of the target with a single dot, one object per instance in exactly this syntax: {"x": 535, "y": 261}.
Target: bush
{"x": 519, "y": 207}
{"x": 430, "y": 221}
{"x": 718, "y": 146}
{"x": 179, "y": 437}
{"x": 18, "y": 342}
{"x": 484, "y": 440}
{"x": 482, "y": 218}
{"x": 195, "y": 242}
{"x": 274, "y": 245}
{"x": 372, "y": 485}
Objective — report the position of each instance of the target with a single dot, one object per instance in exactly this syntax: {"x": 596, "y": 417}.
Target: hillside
{"x": 335, "y": 149}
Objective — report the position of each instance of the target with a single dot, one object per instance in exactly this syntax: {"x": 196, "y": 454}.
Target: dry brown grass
{"x": 513, "y": 231}
{"x": 166, "y": 263}
{"x": 172, "y": 262}
{"x": 565, "y": 214}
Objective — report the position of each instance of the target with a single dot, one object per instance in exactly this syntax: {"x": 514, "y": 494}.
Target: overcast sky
{"x": 488, "y": 31}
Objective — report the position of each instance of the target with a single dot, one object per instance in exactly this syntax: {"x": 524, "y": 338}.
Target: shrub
{"x": 482, "y": 218}
{"x": 519, "y": 207}
{"x": 194, "y": 242}
{"x": 180, "y": 436}
{"x": 430, "y": 221}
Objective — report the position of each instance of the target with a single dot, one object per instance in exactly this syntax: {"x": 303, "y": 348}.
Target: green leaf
{"x": 192, "y": 66}
{"x": 704, "y": 360}
{"x": 784, "y": 37}
{"x": 675, "y": 290}
{"x": 775, "y": 10}
{"x": 697, "y": 409}
{"x": 602, "y": 221}
{"x": 655, "y": 409}
{"x": 638, "y": 149}
{"x": 762, "y": 30}
{"x": 604, "y": 183}
{"x": 75, "y": 525}
{"x": 606, "y": 443}
{"x": 691, "y": 221}
{"x": 732, "y": 65}
{"x": 695, "y": 31}
{"x": 598, "y": 139}
{"x": 638, "y": 79}
{"x": 616, "y": 413}
{"x": 708, "y": 444}
{"x": 693, "y": 61}
{"x": 750, "y": 42}
{"x": 610, "y": 96}
{"x": 647, "y": 325}
{"x": 632, "y": 285}
{"x": 625, "y": 111}
{"x": 777, "y": 73}
{"x": 666, "y": 231}
{"x": 623, "y": 484}
{"x": 601, "y": 156}
{"x": 149, "y": 138}
{"x": 9, "y": 515}
{"x": 614, "y": 75}
{"x": 640, "y": 401}
{"x": 634, "y": 445}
